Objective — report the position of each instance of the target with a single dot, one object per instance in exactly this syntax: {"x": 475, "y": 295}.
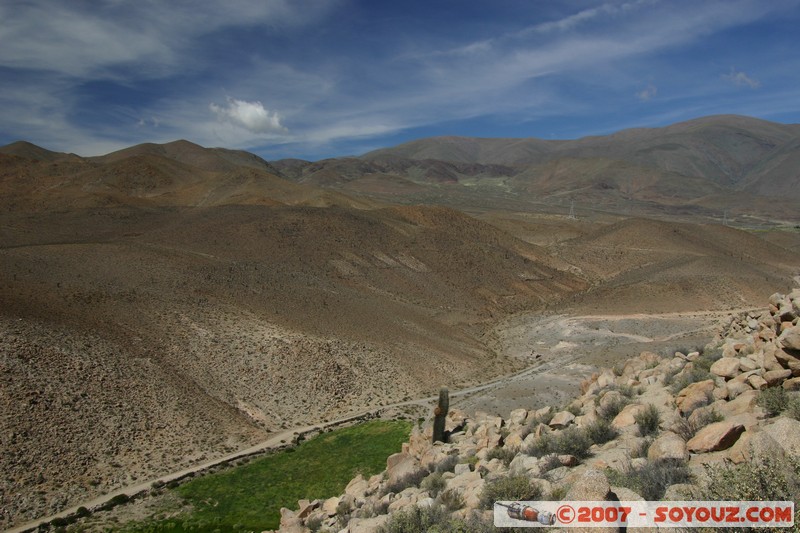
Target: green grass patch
{"x": 249, "y": 497}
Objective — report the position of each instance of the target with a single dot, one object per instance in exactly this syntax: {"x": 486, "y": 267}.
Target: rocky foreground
{"x": 674, "y": 428}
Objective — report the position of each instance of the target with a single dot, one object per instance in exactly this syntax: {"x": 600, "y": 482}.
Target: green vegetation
{"x": 652, "y": 479}
{"x": 648, "y": 420}
{"x": 766, "y": 478}
{"x": 601, "y": 431}
{"x": 433, "y": 519}
{"x": 516, "y": 488}
{"x": 572, "y": 441}
{"x": 773, "y": 400}
{"x": 687, "y": 429}
{"x": 249, "y": 497}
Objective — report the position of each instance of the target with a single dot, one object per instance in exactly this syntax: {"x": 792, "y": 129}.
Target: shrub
{"x": 687, "y": 429}
{"x": 648, "y": 420}
{"x": 773, "y": 400}
{"x": 793, "y": 410}
{"x": 548, "y": 463}
{"x": 697, "y": 373}
{"x": 421, "y": 520}
{"x": 572, "y": 441}
{"x": 448, "y": 464}
{"x": 506, "y": 455}
{"x": 314, "y": 523}
{"x": 641, "y": 448}
{"x": 613, "y": 408}
{"x": 451, "y": 500}
{"x": 412, "y": 479}
{"x": 542, "y": 419}
{"x": 541, "y": 446}
{"x": 651, "y": 479}
{"x": 434, "y": 484}
{"x": 765, "y": 478}
{"x": 517, "y": 488}
{"x": 574, "y": 409}
{"x": 601, "y": 431}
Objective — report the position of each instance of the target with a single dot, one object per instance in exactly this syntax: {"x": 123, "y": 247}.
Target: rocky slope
{"x": 643, "y": 430}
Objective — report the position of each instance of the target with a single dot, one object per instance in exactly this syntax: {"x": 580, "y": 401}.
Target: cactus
{"x": 440, "y": 413}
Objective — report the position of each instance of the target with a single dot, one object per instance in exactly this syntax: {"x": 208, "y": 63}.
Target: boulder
{"x": 790, "y": 337}
{"x": 562, "y": 419}
{"x": 627, "y": 417}
{"x": 591, "y": 486}
{"x": 367, "y": 525}
{"x": 786, "y": 431}
{"x": 518, "y": 417}
{"x": 736, "y": 388}
{"x": 726, "y": 367}
{"x": 668, "y": 445}
{"x": 776, "y": 377}
{"x": 757, "y": 382}
{"x": 695, "y": 395}
{"x": 330, "y": 505}
{"x": 792, "y": 384}
{"x": 715, "y": 437}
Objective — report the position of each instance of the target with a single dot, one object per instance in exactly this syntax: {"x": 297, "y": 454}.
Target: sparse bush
{"x": 641, "y": 448}
{"x": 374, "y": 508}
{"x": 629, "y": 391}
{"x": 687, "y": 429}
{"x": 697, "y": 373}
{"x": 412, "y": 479}
{"x": 517, "y": 488}
{"x": 315, "y": 523}
{"x": 793, "y": 410}
{"x": 601, "y": 431}
{"x": 652, "y": 479}
{"x": 572, "y": 441}
{"x": 648, "y": 420}
{"x": 448, "y": 464}
{"x": 541, "y": 446}
{"x": 773, "y": 400}
{"x": 573, "y": 409}
{"x": 451, "y": 500}
{"x": 434, "y": 484}
{"x": 613, "y": 408}
{"x": 548, "y": 463}
{"x": 506, "y": 455}
{"x": 765, "y": 478}
{"x": 558, "y": 493}
{"x": 544, "y": 418}
{"x": 422, "y": 520}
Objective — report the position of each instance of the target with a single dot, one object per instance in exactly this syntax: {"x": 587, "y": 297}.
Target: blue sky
{"x": 324, "y": 78}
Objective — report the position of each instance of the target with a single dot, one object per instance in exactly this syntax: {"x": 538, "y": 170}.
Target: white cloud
{"x": 741, "y": 79}
{"x": 647, "y": 93}
{"x": 251, "y": 116}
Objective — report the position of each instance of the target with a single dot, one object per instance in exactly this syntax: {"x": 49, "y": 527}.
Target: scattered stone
{"x": 562, "y": 419}
{"x": 715, "y": 437}
{"x": 668, "y": 445}
{"x": 726, "y": 367}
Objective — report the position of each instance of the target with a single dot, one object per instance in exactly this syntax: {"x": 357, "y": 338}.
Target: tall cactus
{"x": 440, "y": 414}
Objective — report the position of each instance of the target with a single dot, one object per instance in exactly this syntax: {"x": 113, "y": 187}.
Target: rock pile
{"x": 719, "y": 405}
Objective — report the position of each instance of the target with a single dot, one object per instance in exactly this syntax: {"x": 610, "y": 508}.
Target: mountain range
{"x": 168, "y": 303}
{"x": 746, "y": 166}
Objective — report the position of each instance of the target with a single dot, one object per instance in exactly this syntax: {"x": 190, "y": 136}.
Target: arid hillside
{"x": 169, "y": 303}
{"x": 154, "y": 313}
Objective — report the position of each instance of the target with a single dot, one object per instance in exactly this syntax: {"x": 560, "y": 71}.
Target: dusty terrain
{"x": 168, "y": 304}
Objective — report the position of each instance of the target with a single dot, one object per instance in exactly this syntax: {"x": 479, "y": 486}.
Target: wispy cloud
{"x": 647, "y": 93}
{"x": 741, "y": 79}
{"x": 324, "y": 74}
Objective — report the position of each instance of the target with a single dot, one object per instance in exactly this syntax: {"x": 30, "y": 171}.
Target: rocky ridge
{"x": 674, "y": 418}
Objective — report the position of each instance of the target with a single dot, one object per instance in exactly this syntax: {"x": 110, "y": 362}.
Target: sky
{"x": 313, "y": 79}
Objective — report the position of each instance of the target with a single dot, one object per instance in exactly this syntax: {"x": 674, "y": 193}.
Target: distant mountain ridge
{"x": 702, "y": 165}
